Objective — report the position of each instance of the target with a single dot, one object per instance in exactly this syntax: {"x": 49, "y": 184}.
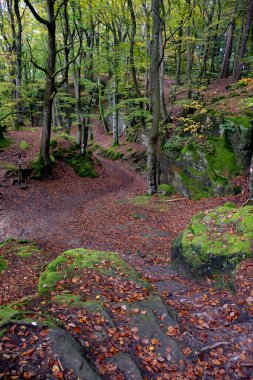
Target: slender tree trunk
{"x": 189, "y": 57}
{"x": 101, "y": 107}
{"x": 153, "y": 133}
{"x": 49, "y": 90}
{"x": 245, "y": 36}
{"x": 18, "y": 79}
{"x": 115, "y": 115}
{"x": 161, "y": 79}
{"x": 179, "y": 55}
{"x": 228, "y": 51}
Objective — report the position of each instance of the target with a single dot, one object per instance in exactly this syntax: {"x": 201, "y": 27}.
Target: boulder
{"x": 216, "y": 240}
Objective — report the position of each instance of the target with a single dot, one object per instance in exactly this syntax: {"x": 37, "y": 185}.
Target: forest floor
{"x": 110, "y": 213}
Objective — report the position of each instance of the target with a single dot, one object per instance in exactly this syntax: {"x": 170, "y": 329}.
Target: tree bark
{"x": 49, "y": 91}
{"x": 251, "y": 182}
{"x": 153, "y": 133}
{"x": 228, "y": 51}
{"x": 18, "y": 73}
{"x": 245, "y": 36}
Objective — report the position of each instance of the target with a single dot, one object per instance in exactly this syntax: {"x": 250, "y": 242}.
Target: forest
{"x": 126, "y": 189}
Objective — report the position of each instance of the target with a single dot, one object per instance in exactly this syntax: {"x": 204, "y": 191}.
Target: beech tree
{"x": 153, "y": 132}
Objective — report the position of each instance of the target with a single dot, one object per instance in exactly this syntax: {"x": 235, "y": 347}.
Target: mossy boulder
{"x": 83, "y": 166}
{"x": 216, "y": 240}
{"x": 240, "y": 135}
{"x": 75, "y": 262}
{"x": 198, "y": 173}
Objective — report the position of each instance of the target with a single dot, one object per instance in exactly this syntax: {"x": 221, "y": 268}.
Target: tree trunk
{"x": 19, "y": 117}
{"x": 179, "y": 55}
{"x": 153, "y": 133}
{"x": 161, "y": 79}
{"x": 228, "y": 51}
{"x": 245, "y": 36}
{"x": 189, "y": 58}
{"x": 251, "y": 182}
{"x": 115, "y": 116}
{"x": 49, "y": 90}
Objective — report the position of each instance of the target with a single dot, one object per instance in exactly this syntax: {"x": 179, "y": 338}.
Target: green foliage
{"x": 24, "y": 145}
{"x": 167, "y": 189}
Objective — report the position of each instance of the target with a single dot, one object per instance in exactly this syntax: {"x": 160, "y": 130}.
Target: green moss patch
{"x": 69, "y": 271}
{"x": 24, "y": 145}
{"x": 216, "y": 240}
{"x": 3, "y": 264}
{"x": 8, "y": 165}
{"x": 112, "y": 153}
{"x": 166, "y": 189}
{"x": 83, "y": 166}
{"x": 21, "y": 248}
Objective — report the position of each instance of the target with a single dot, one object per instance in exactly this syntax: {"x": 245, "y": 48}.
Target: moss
{"x": 26, "y": 250}
{"x": 67, "y": 264}
{"x": 8, "y": 165}
{"x": 71, "y": 299}
{"x": 167, "y": 189}
{"x": 24, "y": 145}
{"x": 223, "y": 163}
{"x": 243, "y": 121}
{"x": 82, "y": 166}
{"x": 38, "y": 165}
{"x": 219, "y": 239}
{"x": 64, "y": 136}
{"x": 111, "y": 153}
{"x": 3, "y": 264}
{"x": 140, "y": 200}
{"x": 53, "y": 143}
{"x": 22, "y": 248}
{"x": 6, "y": 312}
{"x": 195, "y": 187}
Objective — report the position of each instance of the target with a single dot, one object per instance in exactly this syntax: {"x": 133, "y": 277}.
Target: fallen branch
{"x": 172, "y": 200}
{"x": 215, "y": 345}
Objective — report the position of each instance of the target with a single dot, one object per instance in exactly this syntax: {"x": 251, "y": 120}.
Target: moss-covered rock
{"x": 83, "y": 166}
{"x": 216, "y": 240}
{"x": 199, "y": 173}
{"x": 70, "y": 263}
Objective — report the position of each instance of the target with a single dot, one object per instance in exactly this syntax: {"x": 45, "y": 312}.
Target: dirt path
{"x": 71, "y": 212}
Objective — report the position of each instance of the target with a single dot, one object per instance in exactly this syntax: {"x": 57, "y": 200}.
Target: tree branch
{"x": 36, "y": 15}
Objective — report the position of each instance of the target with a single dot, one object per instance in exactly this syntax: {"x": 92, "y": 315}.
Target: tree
{"x": 245, "y": 35}
{"x": 153, "y": 132}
